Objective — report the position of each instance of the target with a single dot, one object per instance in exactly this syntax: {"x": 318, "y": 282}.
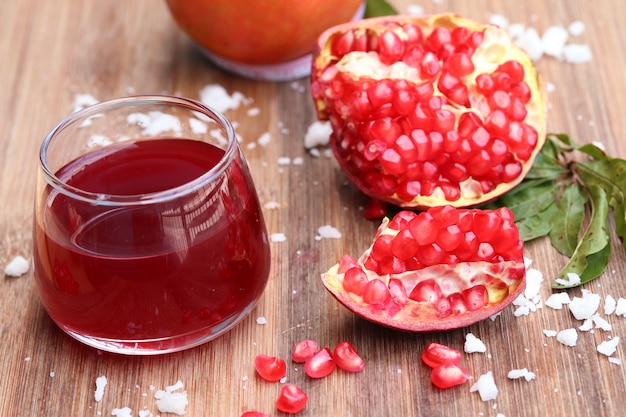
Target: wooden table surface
{"x": 52, "y": 51}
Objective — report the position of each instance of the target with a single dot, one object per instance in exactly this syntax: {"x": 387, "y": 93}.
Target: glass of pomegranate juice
{"x": 148, "y": 234}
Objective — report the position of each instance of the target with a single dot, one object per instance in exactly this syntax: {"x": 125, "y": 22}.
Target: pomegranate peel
{"x": 428, "y": 111}
{"x": 428, "y": 288}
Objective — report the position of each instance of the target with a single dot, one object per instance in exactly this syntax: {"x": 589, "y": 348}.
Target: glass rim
{"x": 169, "y": 194}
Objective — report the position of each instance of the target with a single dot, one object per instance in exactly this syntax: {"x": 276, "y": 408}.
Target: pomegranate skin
{"x": 259, "y": 32}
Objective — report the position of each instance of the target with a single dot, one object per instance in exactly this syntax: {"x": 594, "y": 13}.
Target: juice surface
{"x": 145, "y": 272}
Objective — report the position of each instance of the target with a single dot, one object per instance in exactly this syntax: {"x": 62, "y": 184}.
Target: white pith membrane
{"x": 449, "y": 279}
{"x": 495, "y": 49}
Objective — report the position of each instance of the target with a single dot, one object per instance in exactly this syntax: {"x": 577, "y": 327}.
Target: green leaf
{"x": 538, "y": 225}
{"x": 567, "y": 225}
{"x": 595, "y": 239}
{"x": 546, "y": 167}
{"x": 610, "y": 175}
{"x": 531, "y": 200}
{"x": 375, "y": 8}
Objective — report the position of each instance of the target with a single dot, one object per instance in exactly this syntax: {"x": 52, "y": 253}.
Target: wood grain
{"x": 52, "y": 51}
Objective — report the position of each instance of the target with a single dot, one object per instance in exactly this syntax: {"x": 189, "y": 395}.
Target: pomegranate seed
{"x": 422, "y": 228}
{"x": 355, "y": 280}
{"x": 517, "y": 109}
{"x": 414, "y": 55}
{"x": 447, "y": 82}
{"x": 408, "y": 190}
{"x": 406, "y": 148}
{"x": 450, "y": 238}
{"x": 437, "y": 354}
{"x": 485, "y": 251}
{"x": 460, "y": 35}
{"x": 391, "y": 47}
{"x": 374, "y": 149}
{"x": 372, "y": 42}
{"x": 479, "y": 164}
{"x": 497, "y": 122}
{"x": 422, "y": 145}
{"x": 475, "y": 297}
{"x": 401, "y": 220}
{"x": 468, "y": 123}
{"x": 270, "y": 368}
{"x": 438, "y": 38}
{"x": 442, "y": 307}
{"x": 385, "y": 129}
{"x": 502, "y": 80}
{"x": 451, "y": 141}
{"x": 380, "y": 93}
{"x": 486, "y": 223}
{"x": 321, "y": 364}
{"x": 455, "y": 172}
{"x": 484, "y": 84}
{"x": 254, "y": 414}
{"x": 424, "y": 91}
{"x": 499, "y": 100}
{"x": 347, "y": 357}
{"x": 460, "y": 95}
{"x": 375, "y": 209}
{"x": 303, "y": 350}
{"x": 376, "y": 293}
{"x": 391, "y": 162}
{"x": 291, "y": 399}
{"x": 444, "y": 120}
{"x": 449, "y": 375}
{"x": 514, "y": 69}
{"x": 404, "y": 245}
{"x": 342, "y": 44}
{"x": 381, "y": 250}
{"x": 429, "y": 66}
{"x": 444, "y": 215}
{"x": 398, "y": 292}
{"x": 521, "y": 91}
{"x": 460, "y": 64}
{"x": 413, "y": 33}
{"x": 457, "y": 303}
{"x": 346, "y": 263}
{"x": 427, "y": 291}
{"x": 404, "y": 101}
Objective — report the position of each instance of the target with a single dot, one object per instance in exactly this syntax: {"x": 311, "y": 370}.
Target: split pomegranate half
{"x": 428, "y": 111}
{"x": 441, "y": 269}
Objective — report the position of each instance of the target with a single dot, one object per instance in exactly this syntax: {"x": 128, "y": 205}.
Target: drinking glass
{"x": 148, "y": 233}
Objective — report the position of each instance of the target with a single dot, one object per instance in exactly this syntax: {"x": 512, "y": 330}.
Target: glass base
{"x": 159, "y": 346}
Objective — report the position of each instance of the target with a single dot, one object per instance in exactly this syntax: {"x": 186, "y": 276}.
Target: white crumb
{"x": 101, "y": 382}
{"x": 17, "y": 267}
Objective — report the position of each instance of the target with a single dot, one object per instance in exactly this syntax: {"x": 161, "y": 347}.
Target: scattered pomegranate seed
{"x": 449, "y": 375}
{"x": 291, "y": 399}
{"x": 270, "y": 368}
{"x": 321, "y": 364}
{"x": 303, "y": 350}
{"x": 254, "y": 414}
{"x": 437, "y": 354}
{"x": 347, "y": 358}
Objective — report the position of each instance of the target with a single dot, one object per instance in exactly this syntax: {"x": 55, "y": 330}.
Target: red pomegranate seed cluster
{"x": 440, "y": 236}
{"x": 445, "y": 361}
{"x": 434, "y": 127}
{"x": 318, "y": 363}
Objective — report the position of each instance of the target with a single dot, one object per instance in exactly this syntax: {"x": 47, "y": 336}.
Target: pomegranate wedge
{"x": 441, "y": 269}
{"x": 429, "y": 111}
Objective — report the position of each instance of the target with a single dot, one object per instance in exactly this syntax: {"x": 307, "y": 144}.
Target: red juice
{"x": 171, "y": 271}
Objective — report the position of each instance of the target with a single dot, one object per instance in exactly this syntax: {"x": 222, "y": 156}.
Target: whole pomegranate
{"x": 248, "y": 36}
{"x": 428, "y": 111}
{"x": 441, "y": 269}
